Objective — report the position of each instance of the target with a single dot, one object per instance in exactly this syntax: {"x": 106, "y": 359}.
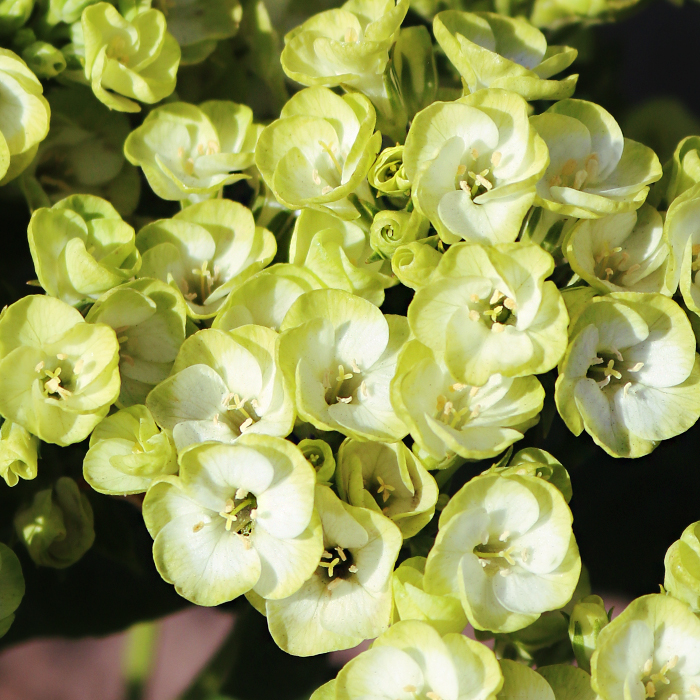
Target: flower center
{"x": 59, "y": 382}
{"x": 497, "y": 313}
{"x": 242, "y": 413}
{"x": 654, "y": 682}
{"x": 330, "y": 150}
{"x": 342, "y": 387}
{"x": 117, "y": 49}
{"x": 575, "y": 174}
{"x": 611, "y": 369}
{"x": 613, "y": 265}
{"x": 337, "y": 566}
{"x": 497, "y": 556}
{"x": 203, "y": 280}
{"x": 239, "y": 512}
{"x": 457, "y": 410}
{"x": 472, "y": 182}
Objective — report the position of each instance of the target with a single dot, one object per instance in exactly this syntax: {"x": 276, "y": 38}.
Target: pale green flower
{"x": 447, "y": 417}
{"x": 624, "y": 252}
{"x": 349, "y": 46}
{"x": 44, "y": 59}
{"x": 320, "y": 455}
{"x": 128, "y": 60}
{"x": 415, "y": 263}
{"x": 57, "y": 528}
{"x": 585, "y": 624}
{"x": 81, "y": 248}
{"x": 506, "y": 548}
{"x": 265, "y": 298}
{"x": 490, "y": 310}
{"x": 18, "y": 454}
{"x": 474, "y": 164}
{"x": 339, "y": 354}
{"x": 411, "y": 659}
{"x": 493, "y": 51}
{"x": 190, "y": 153}
{"x": 319, "y": 151}
{"x": 205, "y": 251}
{"x": 148, "y": 317}
{"x": 82, "y": 154}
{"x": 391, "y": 229}
{"x": 66, "y": 11}
{"x": 338, "y": 252}
{"x": 58, "y": 374}
{"x": 388, "y": 175}
{"x": 24, "y": 115}
{"x": 652, "y": 649}
{"x": 593, "y": 170}
{"x": 11, "y": 587}
{"x": 127, "y": 452}
{"x": 222, "y": 385}
{"x": 238, "y": 517}
{"x": 348, "y": 598}
{"x": 389, "y": 479}
{"x": 630, "y": 375}
{"x": 682, "y": 563}
{"x": 411, "y": 602}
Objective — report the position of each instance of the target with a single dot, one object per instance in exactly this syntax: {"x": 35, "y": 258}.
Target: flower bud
{"x": 387, "y": 174}
{"x": 414, "y": 263}
{"x": 320, "y": 455}
{"x": 413, "y": 66}
{"x": 57, "y": 528}
{"x": 18, "y": 453}
{"x": 45, "y": 60}
{"x": 391, "y": 229}
{"x": 11, "y": 587}
{"x": 586, "y": 621}
{"x": 682, "y": 563}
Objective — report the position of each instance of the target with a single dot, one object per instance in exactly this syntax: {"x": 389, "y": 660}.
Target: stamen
{"x": 346, "y": 399}
{"x": 473, "y": 392}
{"x": 496, "y": 158}
{"x": 341, "y": 553}
{"x": 648, "y": 665}
{"x": 432, "y": 696}
{"x": 464, "y": 186}
{"x": 497, "y": 327}
{"x": 496, "y": 297}
{"x": 355, "y": 368}
{"x": 315, "y": 177}
{"x": 580, "y": 179}
{"x": 330, "y": 565}
{"x": 474, "y": 298}
{"x": 457, "y": 386}
{"x": 503, "y": 537}
{"x": 363, "y": 389}
{"x": 636, "y": 367}
{"x": 61, "y": 356}
{"x": 78, "y": 366}
{"x": 650, "y": 689}
{"x": 198, "y": 526}
{"x": 569, "y": 167}
{"x": 351, "y": 35}
{"x": 39, "y": 366}
{"x": 333, "y": 584}
{"x": 483, "y": 182}
{"x": 555, "y": 181}
{"x": 353, "y": 569}
{"x": 505, "y": 572}
{"x": 475, "y": 153}
{"x": 525, "y": 555}
{"x": 216, "y": 419}
{"x": 245, "y": 425}
{"x": 326, "y": 555}
{"x": 626, "y": 388}
{"x": 509, "y": 303}
{"x": 474, "y": 315}
{"x": 410, "y": 689}
{"x": 461, "y": 169}
{"x": 240, "y": 494}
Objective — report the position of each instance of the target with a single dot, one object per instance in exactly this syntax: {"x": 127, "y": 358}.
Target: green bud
{"x": 587, "y": 620}
{"x": 128, "y": 60}
{"x": 682, "y": 562}
{"x": 44, "y": 59}
{"x": 57, "y": 528}
{"x": 684, "y": 168}
{"x": 392, "y": 229}
{"x": 13, "y": 15}
{"x": 18, "y": 453}
{"x": 11, "y": 587}
{"x": 66, "y": 11}
{"x": 320, "y": 455}
{"x": 387, "y": 174}
{"x": 415, "y": 263}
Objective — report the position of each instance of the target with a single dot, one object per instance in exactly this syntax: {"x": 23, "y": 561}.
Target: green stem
{"x": 138, "y": 659}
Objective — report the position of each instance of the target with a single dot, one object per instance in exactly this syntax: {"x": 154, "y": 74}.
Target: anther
{"x": 345, "y": 399}
{"x": 695, "y": 690}
{"x": 315, "y": 177}
{"x": 363, "y": 389}
{"x": 475, "y": 153}
{"x": 240, "y": 494}
{"x": 505, "y": 572}
{"x": 650, "y": 689}
{"x": 327, "y": 189}
{"x": 474, "y": 298}
{"x": 636, "y": 367}
{"x": 326, "y": 555}
{"x": 648, "y": 665}
{"x": 504, "y": 536}
{"x": 473, "y": 392}
{"x": 333, "y": 584}
{"x": 496, "y": 158}
{"x": 39, "y": 366}
{"x": 355, "y": 368}
{"x": 580, "y": 179}
{"x": 464, "y": 186}
{"x": 198, "y": 526}
{"x": 353, "y": 569}
{"x": 497, "y": 327}
{"x": 409, "y": 689}
{"x": 245, "y": 425}
{"x": 78, "y": 366}
{"x": 457, "y": 386}
{"x": 474, "y": 315}
{"x": 61, "y": 356}
{"x": 461, "y": 169}
{"x": 569, "y": 167}
{"x": 432, "y": 696}
{"x": 351, "y": 35}
{"x": 509, "y": 303}
{"x": 341, "y": 553}
{"x": 626, "y": 388}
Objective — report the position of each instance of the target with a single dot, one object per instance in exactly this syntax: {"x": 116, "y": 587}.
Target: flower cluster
{"x": 294, "y": 356}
